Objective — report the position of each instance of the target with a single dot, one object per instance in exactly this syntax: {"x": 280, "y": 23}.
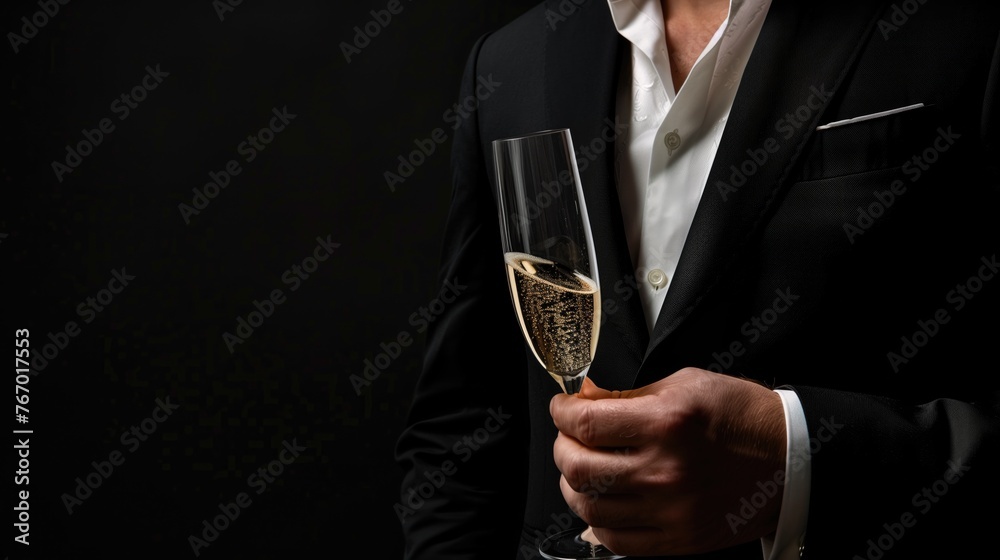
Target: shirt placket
{"x": 671, "y": 195}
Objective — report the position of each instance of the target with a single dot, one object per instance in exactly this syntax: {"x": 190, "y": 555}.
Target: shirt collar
{"x": 625, "y": 11}
{"x": 641, "y": 23}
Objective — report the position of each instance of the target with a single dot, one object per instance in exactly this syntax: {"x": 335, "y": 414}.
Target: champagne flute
{"x": 552, "y": 275}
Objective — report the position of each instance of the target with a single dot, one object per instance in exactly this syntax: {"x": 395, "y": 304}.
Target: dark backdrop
{"x": 146, "y": 418}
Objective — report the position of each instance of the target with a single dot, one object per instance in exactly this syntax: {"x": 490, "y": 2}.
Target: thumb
{"x": 591, "y": 391}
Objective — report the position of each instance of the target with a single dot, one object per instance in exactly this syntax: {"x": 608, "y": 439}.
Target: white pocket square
{"x": 869, "y": 117}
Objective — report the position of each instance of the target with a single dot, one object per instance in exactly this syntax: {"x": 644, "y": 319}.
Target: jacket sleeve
{"x": 890, "y": 475}
{"x": 464, "y": 447}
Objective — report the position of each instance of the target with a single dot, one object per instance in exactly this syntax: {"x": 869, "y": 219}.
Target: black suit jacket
{"x": 882, "y": 234}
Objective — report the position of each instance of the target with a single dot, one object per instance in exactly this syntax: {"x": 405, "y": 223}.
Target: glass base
{"x": 568, "y": 545}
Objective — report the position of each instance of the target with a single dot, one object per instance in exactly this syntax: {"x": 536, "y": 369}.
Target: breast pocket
{"x": 871, "y": 143}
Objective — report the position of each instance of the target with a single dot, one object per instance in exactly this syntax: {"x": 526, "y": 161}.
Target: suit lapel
{"x": 802, "y": 54}
{"x": 582, "y": 97}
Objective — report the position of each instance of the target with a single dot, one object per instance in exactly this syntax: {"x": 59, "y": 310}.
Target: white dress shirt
{"x": 662, "y": 165}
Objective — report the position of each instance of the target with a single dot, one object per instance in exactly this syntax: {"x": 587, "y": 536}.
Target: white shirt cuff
{"x": 795, "y": 495}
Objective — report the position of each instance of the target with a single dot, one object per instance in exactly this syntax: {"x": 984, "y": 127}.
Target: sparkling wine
{"x": 559, "y": 311}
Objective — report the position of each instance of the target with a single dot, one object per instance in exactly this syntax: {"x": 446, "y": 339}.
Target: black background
{"x": 161, "y": 337}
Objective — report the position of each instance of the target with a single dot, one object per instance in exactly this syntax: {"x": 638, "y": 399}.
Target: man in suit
{"x": 800, "y": 360}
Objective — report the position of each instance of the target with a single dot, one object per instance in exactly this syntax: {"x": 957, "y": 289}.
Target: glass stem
{"x": 571, "y": 385}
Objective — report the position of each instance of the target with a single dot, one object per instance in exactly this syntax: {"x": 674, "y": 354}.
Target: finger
{"x": 607, "y": 422}
{"x": 589, "y": 469}
{"x": 606, "y": 509}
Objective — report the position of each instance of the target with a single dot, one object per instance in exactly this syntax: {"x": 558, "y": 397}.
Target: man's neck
{"x": 690, "y": 25}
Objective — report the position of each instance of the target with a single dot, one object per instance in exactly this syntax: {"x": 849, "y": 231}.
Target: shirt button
{"x": 673, "y": 141}
{"x": 657, "y": 278}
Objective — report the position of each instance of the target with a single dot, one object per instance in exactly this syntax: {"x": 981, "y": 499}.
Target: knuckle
{"x": 587, "y": 426}
{"x": 689, "y": 372}
{"x": 576, "y": 472}
{"x": 681, "y": 418}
